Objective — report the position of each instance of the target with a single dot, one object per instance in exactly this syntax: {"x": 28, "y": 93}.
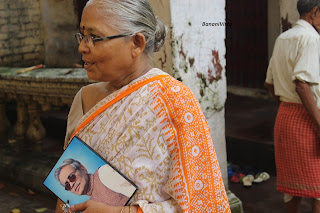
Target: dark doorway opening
{"x": 79, "y": 5}
{"x": 247, "y": 42}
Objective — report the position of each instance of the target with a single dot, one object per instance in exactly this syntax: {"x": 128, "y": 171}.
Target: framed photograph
{"x": 81, "y": 174}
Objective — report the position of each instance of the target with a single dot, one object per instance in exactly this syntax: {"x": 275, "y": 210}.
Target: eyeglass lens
{"x": 71, "y": 178}
{"x": 79, "y": 37}
{"x": 87, "y": 38}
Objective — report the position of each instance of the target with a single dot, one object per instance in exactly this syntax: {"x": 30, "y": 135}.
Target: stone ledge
{"x": 55, "y": 86}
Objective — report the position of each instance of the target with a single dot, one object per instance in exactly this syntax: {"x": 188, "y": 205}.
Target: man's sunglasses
{"x": 71, "y": 178}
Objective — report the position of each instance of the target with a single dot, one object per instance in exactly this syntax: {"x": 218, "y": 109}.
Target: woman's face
{"x": 74, "y": 180}
{"x": 108, "y": 60}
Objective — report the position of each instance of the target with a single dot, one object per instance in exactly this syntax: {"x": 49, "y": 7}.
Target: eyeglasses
{"x": 90, "y": 40}
{"x": 71, "y": 178}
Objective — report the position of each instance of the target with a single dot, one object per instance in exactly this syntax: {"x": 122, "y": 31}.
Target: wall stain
{"x": 286, "y": 25}
{"x": 201, "y": 92}
{"x": 163, "y": 61}
{"x": 217, "y": 66}
{"x": 182, "y": 53}
{"x": 191, "y": 61}
{"x": 203, "y": 83}
{"x": 178, "y": 45}
{"x": 210, "y": 76}
{"x": 207, "y": 83}
{"x": 175, "y": 54}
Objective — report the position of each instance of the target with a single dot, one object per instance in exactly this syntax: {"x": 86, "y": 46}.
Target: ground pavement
{"x": 264, "y": 198}
{"x": 13, "y": 196}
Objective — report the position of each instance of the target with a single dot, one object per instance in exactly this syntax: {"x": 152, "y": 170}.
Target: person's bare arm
{"x": 270, "y": 88}
{"x": 308, "y": 101}
{"x": 58, "y": 206}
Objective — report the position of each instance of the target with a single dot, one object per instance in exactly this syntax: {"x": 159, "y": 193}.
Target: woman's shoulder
{"x": 90, "y": 88}
{"x": 92, "y": 94}
{"x": 93, "y": 89}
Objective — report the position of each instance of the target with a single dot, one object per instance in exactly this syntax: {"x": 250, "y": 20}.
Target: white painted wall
{"x": 288, "y": 8}
{"x": 192, "y": 51}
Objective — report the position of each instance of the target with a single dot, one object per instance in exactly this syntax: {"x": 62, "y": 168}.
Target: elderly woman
{"x": 144, "y": 122}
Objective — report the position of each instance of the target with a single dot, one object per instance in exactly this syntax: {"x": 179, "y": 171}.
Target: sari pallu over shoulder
{"x": 158, "y": 137}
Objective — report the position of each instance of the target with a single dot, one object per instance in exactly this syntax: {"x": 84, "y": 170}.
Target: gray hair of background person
{"x": 72, "y": 162}
{"x": 131, "y": 17}
{"x": 305, "y": 6}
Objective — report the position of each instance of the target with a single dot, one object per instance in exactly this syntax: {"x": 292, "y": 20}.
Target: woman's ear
{"x": 139, "y": 44}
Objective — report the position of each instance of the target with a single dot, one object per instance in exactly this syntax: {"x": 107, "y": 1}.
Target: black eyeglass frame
{"x": 80, "y": 37}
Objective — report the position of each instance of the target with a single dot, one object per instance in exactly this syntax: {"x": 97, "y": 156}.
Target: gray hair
{"x": 131, "y": 17}
{"x": 305, "y": 6}
{"x": 70, "y": 161}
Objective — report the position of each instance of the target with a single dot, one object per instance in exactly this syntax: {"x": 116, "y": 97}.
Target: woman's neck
{"x": 140, "y": 71}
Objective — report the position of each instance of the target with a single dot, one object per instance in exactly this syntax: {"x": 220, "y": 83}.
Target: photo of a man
{"x": 81, "y": 174}
{"x": 74, "y": 177}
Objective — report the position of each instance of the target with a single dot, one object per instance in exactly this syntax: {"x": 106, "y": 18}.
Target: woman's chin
{"x": 91, "y": 75}
{"x": 93, "y": 78}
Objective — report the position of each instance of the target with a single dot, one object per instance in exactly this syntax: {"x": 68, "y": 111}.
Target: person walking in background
{"x": 293, "y": 78}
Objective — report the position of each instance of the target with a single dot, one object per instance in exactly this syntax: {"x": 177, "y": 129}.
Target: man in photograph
{"x": 74, "y": 177}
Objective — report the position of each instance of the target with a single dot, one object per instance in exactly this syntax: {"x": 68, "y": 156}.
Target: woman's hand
{"x": 92, "y": 206}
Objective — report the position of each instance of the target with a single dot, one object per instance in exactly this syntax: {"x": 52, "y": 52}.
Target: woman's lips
{"x": 87, "y": 65}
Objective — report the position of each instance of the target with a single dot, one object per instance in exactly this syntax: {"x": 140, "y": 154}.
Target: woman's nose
{"x": 83, "y": 47}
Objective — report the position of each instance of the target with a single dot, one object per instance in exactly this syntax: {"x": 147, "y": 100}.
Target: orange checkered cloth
{"x": 297, "y": 152}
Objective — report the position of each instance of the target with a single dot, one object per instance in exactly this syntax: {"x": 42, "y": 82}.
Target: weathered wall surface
{"x": 199, "y": 61}
{"x": 21, "y": 40}
{"x": 34, "y": 32}
{"x": 288, "y": 14}
{"x": 273, "y": 24}
{"x": 60, "y": 23}
{"x": 163, "y": 58}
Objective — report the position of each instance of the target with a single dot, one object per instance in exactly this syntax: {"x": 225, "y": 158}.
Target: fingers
{"x": 79, "y": 207}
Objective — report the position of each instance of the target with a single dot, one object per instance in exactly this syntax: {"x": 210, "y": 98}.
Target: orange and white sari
{"x": 154, "y": 132}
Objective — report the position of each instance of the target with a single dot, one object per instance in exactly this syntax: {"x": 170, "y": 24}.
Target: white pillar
{"x": 198, "y": 56}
